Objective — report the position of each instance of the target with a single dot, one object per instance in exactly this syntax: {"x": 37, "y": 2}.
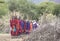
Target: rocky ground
{"x": 7, "y": 37}
{"x": 46, "y": 32}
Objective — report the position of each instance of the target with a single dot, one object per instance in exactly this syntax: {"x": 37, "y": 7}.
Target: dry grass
{"x": 47, "y": 31}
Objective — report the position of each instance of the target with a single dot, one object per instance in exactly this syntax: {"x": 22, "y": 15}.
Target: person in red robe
{"x": 14, "y": 23}
{"x": 17, "y": 25}
{"x": 19, "y": 29}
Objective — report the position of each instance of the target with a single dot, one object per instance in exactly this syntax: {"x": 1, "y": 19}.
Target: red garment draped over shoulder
{"x": 17, "y": 24}
{"x": 14, "y": 22}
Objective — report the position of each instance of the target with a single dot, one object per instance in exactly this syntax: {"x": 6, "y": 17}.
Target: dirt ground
{"x": 7, "y": 37}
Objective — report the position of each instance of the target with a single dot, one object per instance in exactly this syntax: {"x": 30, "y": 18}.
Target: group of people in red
{"x": 19, "y": 26}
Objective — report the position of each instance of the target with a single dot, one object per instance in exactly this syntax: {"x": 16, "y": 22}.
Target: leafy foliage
{"x": 3, "y": 9}
{"x": 27, "y": 8}
{"x": 57, "y": 10}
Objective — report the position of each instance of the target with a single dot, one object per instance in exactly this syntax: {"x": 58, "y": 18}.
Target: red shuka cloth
{"x": 18, "y": 26}
{"x": 12, "y": 24}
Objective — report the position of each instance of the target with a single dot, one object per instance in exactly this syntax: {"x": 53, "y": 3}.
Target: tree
{"x": 57, "y": 10}
{"x": 46, "y": 7}
{"x": 24, "y": 6}
{"x": 3, "y": 8}
{"x": 31, "y": 10}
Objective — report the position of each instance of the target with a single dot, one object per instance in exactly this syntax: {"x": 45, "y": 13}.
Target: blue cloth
{"x": 14, "y": 29}
{"x": 22, "y": 24}
{"x": 34, "y": 26}
{"x": 27, "y": 25}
